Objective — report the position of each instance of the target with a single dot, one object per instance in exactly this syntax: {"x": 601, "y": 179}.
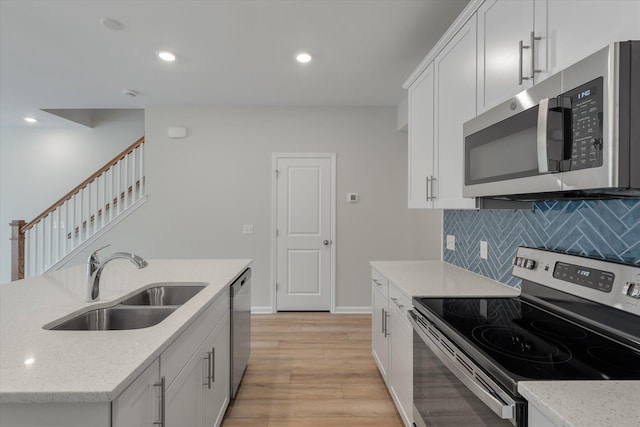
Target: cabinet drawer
{"x": 173, "y": 359}
{"x": 400, "y": 301}
{"x": 379, "y": 282}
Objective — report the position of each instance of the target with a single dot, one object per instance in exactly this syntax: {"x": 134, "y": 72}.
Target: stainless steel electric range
{"x": 577, "y": 318}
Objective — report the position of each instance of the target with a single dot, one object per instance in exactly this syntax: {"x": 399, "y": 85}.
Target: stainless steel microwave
{"x": 573, "y": 135}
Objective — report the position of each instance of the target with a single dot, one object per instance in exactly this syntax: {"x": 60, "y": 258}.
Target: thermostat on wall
{"x": 352, "y": 197}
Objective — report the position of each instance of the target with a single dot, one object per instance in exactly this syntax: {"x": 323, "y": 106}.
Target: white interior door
{"x": 304, "y": 234}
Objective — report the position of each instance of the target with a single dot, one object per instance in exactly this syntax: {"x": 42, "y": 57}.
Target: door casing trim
{"x": 274, "y": 222}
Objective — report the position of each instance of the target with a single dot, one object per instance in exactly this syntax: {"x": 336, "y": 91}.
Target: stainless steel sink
{"x": 165, "y": 294}
{"x": 116, "y": 318}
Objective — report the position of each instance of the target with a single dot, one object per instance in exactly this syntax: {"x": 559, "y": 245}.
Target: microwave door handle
{"x": 543, "y": 118}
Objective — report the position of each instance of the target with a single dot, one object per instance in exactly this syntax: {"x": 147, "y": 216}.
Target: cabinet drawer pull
{"x": 161, "y": 384}
{"x": 395, "y": 300}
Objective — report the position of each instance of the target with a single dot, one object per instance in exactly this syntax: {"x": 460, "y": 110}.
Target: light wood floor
{"x": 312, "y": 370}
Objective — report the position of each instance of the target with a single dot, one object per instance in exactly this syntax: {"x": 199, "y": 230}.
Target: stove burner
{"x": 520, "y": 344}
{"x": 620, "y": 358}
{"x": 559, "y": 329}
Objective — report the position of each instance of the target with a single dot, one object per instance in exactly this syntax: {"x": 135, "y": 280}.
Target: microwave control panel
{"x": 587, "y": 115}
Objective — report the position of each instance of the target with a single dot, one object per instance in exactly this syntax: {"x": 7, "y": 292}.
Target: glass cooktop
{"x": 530, "y": 343}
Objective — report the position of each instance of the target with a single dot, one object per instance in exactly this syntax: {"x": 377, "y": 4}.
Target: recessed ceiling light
{"x": 30, "y": 120}
{"x": 167, "y": 56}
{"x": 303, "y": 57}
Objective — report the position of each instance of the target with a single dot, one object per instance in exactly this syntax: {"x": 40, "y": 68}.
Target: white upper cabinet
{"x": 493, "y": 51}
{"x": 455, "y": 103}
{"x": 421, "y": 135}
{"x": 505, "y": 66}
{"x": 441, "y": 99}
{"x": 576, "y": 28}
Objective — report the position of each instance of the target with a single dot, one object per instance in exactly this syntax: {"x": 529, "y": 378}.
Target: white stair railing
{"x": 80, "y": 215}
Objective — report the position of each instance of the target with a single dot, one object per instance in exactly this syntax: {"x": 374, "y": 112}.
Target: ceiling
{"x": 55, "y": 54}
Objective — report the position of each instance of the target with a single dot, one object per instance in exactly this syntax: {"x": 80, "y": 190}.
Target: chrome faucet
{"x": 95, "y": 267}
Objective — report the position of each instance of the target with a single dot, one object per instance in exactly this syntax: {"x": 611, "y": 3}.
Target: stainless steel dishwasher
{"x": 240, "y": 328}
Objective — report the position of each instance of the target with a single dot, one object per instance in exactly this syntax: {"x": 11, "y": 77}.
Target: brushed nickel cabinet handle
{"x": 533, "y": 40}
{"x": 161, "y": 384}
{"x": 213, "y": 364}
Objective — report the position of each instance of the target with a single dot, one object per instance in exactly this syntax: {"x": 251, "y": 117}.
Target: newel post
{"x": 17, "y": 249}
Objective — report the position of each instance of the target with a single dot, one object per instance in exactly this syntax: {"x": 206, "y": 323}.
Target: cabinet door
{"x": 140, "y": 403}
{"x": 200, "y": 393}
{"x": 379, "y": 341}
{"x": 578, "y": 28}
{"x": 216, "y": 398}
{"x": 184, "y": 400}
{"x": 455, "y": 103}
{"x": 401, "y": 364}
{"x": 421, "y": 139}
{"x": 502, "y": 25}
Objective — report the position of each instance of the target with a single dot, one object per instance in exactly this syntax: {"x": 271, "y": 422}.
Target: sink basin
{"x": 165, "y": 294}
{"x": 116, "y": 318}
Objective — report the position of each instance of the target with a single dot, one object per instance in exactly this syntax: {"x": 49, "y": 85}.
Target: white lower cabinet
{"x": 199, "y": 394}
{"x": 141, "y": 403}
{"x": 189, "y": 384}
{"x": 392, "y": 343}
{"x": 401, "y": 361}
{"x": 217, "y": 396}
{"x": 379, "y": 341}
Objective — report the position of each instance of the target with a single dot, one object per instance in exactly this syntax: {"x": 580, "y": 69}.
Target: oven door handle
{"x": 505, "y": 410}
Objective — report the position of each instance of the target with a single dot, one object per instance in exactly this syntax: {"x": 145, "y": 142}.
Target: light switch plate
{"x": 451, "y": 242}
{"x": 484, "y": 249}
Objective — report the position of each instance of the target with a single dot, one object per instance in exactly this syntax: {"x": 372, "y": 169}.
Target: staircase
{"x": 80, "y": 216}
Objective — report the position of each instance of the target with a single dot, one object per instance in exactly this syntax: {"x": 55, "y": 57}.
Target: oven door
{"x": 450, "y": 390}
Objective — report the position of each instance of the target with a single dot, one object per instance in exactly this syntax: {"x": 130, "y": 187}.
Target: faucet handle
{"x": 94, "y": 256}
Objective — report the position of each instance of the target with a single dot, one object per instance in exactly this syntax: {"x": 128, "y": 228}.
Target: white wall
{"x": 39, "y": 165}
{"x": 203, "y": 188}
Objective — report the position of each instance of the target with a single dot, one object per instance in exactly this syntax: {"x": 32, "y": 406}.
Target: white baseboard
{"x": 262, "y": 310}
{"x": 352, "y": 310}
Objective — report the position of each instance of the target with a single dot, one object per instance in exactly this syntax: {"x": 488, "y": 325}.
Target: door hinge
{"x": 277, "y": 174}
{"x": 276, "y": 286}
{"x": 277, "y": 232}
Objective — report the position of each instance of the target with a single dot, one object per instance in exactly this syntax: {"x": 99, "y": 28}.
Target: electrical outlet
{"x": 451, "y": 242}
{"x": 247, "y": 229}
{"x": 484, "y": 249}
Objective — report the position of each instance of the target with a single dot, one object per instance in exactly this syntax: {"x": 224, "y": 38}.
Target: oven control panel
{"x": 584, "y": 276}
{"x": 606, "y": 282}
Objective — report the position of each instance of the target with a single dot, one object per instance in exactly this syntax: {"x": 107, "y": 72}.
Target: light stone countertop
{"x": 440, "y": 279}
{"x": 566, "y": 403}
{"x": 92, "y": 366}
{"x": 585, "y": 403}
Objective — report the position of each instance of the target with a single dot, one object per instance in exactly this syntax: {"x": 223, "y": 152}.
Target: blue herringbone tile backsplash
{"x": 605, "y": 229}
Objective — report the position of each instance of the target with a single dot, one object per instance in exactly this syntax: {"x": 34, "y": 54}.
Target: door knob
{"x": 326, "y": 243}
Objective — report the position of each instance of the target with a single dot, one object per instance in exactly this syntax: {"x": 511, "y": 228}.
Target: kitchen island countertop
{"x": 40, "y": 365}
